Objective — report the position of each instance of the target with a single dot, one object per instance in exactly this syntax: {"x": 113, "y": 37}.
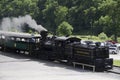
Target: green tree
{"x": 48, "y": 14}
{"x": 103, "y": 36}
{"x": 64, "y": 29}
{"x": 39, "y": 17}
{"x": 111, "y": 13}
{"x": 81, "y": 14}
{"x": 60, "y": 13}
{"x": 104, "y": 25}
{"x": 12, "y": 8}
{"x": 85, "y": 16}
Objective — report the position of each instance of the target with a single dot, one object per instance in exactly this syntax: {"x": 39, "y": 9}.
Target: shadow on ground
{"x": 25, "y": 58}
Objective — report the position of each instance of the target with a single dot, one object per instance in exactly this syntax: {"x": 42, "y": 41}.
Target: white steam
{"x": 17, "y": 23}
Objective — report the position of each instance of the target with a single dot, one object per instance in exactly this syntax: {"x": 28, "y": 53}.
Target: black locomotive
{"x": 69, "y": 49}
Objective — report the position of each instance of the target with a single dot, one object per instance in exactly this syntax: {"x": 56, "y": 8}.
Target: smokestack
{"x": 44, "y": 35}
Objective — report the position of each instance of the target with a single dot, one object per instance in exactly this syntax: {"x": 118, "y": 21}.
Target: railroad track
{"x": 116, "y": 70}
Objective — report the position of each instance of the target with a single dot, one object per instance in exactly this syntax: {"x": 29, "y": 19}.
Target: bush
{"x": 64, "y": 29}
{"x": 119, "y": 39}
{"x": 103, "y": 36}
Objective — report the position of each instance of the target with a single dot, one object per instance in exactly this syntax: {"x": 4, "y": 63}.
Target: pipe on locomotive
{"x": 44, "y": 34}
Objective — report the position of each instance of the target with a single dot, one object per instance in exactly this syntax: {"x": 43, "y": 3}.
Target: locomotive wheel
{"x": 113, "y": 52}
{"x": 50, "y": 59}
{"x": 1, "y": 49}
{"x": 69, "y": 61}
{"x": 99, "y": 65}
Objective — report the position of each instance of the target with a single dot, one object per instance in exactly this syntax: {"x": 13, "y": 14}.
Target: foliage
{"x": 48, "y": 14}
{"x": 110, "y": 9}
{"x": 103, "y": 36}
{"x": 85, "y": 16}
{"x": 18, "y": 7}
{"x": 112, "y": 37}
{"x": 64, "y": 29}
{"x": 60, "y": 13}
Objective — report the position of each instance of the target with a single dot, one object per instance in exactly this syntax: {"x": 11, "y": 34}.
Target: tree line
{"x": 83, "y": 16}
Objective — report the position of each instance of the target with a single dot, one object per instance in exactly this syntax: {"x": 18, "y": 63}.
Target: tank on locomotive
{"x": 92, "y": 54}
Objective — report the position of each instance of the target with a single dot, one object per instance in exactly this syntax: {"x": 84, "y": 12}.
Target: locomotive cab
{"x": 63, "y": 47}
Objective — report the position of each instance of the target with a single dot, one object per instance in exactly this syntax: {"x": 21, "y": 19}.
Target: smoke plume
{"x": 17, "y": 23}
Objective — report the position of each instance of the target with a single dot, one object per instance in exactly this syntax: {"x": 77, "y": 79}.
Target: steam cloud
{"x": 16, "y": 23}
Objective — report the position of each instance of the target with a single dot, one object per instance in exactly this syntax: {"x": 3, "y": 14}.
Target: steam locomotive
{"x": 71, "y": 49}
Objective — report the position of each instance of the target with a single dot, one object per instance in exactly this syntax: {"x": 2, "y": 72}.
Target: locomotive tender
{"x": 53, "y": 48}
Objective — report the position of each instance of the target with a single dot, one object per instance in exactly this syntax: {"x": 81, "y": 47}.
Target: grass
{"x": 116, "y": 62}
{"x": 94, "y": 38}
{"x": 89, "y": 37}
